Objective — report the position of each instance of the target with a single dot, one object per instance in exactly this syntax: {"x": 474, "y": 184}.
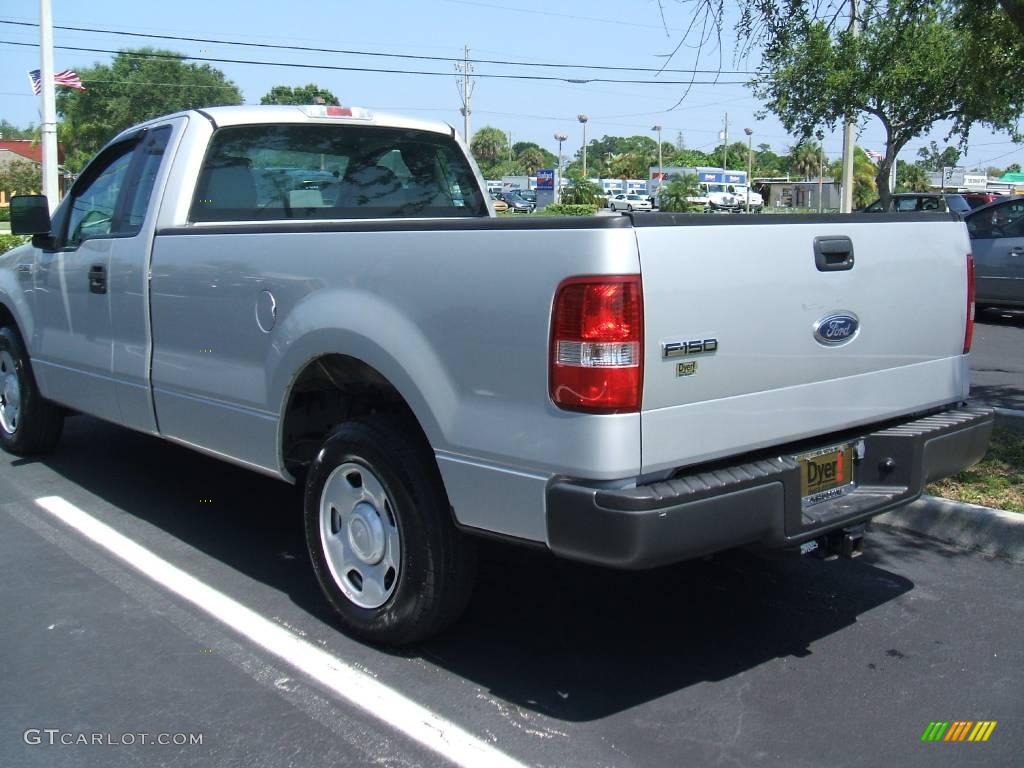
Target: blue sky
{"x": 570, "y": 32}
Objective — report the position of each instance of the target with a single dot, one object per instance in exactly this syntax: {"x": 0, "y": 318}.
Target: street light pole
{"x": 583, "y": 120}
{"x": 820, "y": 135}
{"x": 661, "y": 164}
{"x": 750, "y": 162}
{"x": 559, "y": 137}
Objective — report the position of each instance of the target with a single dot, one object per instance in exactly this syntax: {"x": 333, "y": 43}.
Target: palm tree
{"x": 532, "y": 159}
{"x": 804, "y": 158}
{"x": 489, "y": 145}
{"x": 675, "y": 196}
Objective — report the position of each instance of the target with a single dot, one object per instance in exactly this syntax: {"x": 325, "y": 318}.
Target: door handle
{"x": 1018, "y": 251}
{"x": 833, "y": 254}
{"x": 97, "y": 279}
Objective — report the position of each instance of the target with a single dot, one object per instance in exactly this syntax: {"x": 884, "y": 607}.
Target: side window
{"x": 141, "y": 179}
{"x": 94, "y": 201}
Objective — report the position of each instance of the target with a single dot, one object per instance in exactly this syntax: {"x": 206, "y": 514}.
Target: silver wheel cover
{"x": 10, "y": 394}
{"x": 359, "y": 535}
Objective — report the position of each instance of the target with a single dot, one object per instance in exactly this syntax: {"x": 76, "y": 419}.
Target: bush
{"x": 5, "y": 214}
{"x": 674, "y": 196}
{"x": 570, "y": 209}
{"x": 581, "y": 192}
{"x": 11, "y": 241}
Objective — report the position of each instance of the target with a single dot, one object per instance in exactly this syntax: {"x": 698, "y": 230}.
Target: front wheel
{"x": 29, "y": 424}
{"x": 629, "y": 208}
{"x": 380, "y": 533}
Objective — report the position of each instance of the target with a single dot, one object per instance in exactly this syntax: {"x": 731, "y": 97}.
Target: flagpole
{"x": 49, "y": 123}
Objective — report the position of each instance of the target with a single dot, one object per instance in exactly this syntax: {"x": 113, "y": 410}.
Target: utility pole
{"x": 846, "y": 203}
{"x": 49, "y": 122}
{"x": 725, "y": 144}
{"x": 465, "y": 85}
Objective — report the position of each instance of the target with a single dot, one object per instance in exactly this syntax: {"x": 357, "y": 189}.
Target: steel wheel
{"x": 360, "y": 536}
{"x": 10, "y": 394}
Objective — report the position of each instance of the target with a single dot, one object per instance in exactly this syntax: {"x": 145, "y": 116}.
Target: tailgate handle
{"x": 833, "y": 254}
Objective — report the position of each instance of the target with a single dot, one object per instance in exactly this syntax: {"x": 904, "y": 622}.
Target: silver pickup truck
{"x": 325, "y": 296}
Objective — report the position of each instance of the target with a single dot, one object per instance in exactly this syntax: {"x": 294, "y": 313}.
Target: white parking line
{"x": 373, "y": 697}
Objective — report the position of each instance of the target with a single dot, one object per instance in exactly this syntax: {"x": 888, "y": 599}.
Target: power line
{"x": 349, "y": 52}
{"x": 336, "y": 68}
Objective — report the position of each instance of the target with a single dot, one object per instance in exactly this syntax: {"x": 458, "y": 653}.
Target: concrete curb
{"x": 992, "y": 532}
{"x": 1010, "y": 419}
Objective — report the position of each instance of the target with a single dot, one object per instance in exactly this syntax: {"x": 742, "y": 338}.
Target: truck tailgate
{"x": 731, "y": 306}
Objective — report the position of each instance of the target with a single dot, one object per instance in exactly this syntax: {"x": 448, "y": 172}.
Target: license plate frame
{"x": 826, "y": 473}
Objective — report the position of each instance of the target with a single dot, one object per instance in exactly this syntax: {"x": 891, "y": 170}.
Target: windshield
{"x": 715, "y": 187}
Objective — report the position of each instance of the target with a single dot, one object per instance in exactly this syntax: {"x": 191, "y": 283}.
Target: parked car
{"x": 997, "y": 241}
{"x": 517, "y": 204}
{"x": 907, "y": 202}
{"x": 529, "y": 195}
{"x": 500, "y": 206}
{"x": 597, "y": 385}
{"x": 978, "y": 199}
{"x": 630, "y": 202}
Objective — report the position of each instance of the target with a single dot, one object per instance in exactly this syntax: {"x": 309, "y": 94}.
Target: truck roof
{"x": 262, "y": 114}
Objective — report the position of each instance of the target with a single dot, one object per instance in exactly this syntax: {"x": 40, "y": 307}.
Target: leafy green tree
{"x": 767, "y": 163}
{"x": 910, "y": 68}
{"x": 300, "y": 94}
{"x": 137, "y": 85}
{"x": 506, "y": 168}
{"x": 1012, "y": 168}
{"x": 489, "y": 145}
{"x": 934, "y": 160}
{"x": 689, "y": 158}
{"x": 677, "y": 193}
{"x": 910, "y": 177}
{"x": 20, "y": 177}
{"x": 11, "y": 131}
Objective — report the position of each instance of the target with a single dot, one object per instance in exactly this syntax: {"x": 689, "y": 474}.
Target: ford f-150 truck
{"x": 324, "y": 295}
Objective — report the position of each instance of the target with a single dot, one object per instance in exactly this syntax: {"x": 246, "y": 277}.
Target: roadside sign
{"x": 545, "y": 178}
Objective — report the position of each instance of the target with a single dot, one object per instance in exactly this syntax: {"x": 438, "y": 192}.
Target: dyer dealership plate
{"x": 826, "y": 473}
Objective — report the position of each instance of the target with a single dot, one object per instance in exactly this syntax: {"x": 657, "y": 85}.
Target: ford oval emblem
{"x": 837, "y": 328}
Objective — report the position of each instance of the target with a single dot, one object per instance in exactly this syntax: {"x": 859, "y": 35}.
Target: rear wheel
{"x": 29, "y": 424}
{"x": 629, "y": 208}
{"x": 381, "y": 536}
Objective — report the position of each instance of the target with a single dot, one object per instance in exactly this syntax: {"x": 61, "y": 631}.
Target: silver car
{"x": 997, "y": 239}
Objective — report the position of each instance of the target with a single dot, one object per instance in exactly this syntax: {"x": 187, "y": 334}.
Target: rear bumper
{"x": 759, "y": 501}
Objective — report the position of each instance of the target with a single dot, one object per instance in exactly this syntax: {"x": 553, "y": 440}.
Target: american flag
{"x": 68, "y": 78}
{"x": 875, "y": 156}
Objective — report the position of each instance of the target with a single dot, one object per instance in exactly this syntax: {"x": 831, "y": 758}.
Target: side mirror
{"x": 30, "y": 215}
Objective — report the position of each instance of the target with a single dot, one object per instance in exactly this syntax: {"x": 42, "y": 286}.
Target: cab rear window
{"x": 268, "y": 172}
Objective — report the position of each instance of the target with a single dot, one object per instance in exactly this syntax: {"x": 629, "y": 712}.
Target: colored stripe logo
{"x": 959, "y": 730}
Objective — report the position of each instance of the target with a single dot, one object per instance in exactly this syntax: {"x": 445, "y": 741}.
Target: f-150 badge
{"x": 670, "y": 349}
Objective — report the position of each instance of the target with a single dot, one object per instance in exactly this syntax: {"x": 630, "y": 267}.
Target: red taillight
{"x": 969, "y": 328}
{"x": 597, "y": 344}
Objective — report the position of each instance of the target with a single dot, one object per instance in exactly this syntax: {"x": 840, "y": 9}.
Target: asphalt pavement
{"x": 743, "y": 659}
{"x": 997, "y": 358}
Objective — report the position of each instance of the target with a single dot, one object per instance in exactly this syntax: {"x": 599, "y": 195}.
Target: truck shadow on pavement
{"x": 572, "y": 642}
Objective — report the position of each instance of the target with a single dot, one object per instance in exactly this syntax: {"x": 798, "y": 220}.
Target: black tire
{"x": 39, "y": 423}
{"x": 437, "y": 563}
{"x": 629, "y": 208}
